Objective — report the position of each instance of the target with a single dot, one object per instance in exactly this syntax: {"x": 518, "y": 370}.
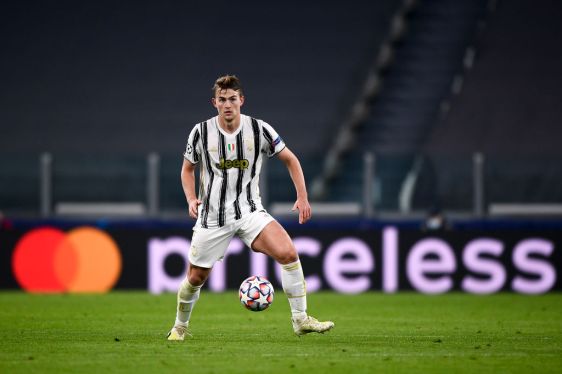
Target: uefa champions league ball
{"x": 256, "y": 293}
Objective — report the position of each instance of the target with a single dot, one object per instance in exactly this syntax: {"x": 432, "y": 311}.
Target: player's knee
{"x": 197, "y": 278}
{"x": 288, "y": 255}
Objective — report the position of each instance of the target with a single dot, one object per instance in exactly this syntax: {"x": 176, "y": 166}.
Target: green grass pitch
{"x": 124, "y": 332}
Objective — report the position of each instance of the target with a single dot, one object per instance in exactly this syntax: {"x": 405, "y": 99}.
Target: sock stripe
{"x": 190, "y": 287}
{"x": 292, "y": 267}
{"x": 295, "y": 297}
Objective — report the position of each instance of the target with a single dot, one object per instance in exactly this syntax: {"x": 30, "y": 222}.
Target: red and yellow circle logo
{"x": 84, "y": 259}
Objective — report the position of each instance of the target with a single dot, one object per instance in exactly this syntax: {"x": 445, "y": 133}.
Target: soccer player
{"x": 229, "y": 148}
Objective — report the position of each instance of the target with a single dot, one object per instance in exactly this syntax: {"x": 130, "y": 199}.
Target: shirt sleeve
{"x": 272, "y": 144}
{"x": 193, "y": 147}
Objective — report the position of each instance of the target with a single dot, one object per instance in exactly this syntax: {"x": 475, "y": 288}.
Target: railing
{"x": 150, "y": 186}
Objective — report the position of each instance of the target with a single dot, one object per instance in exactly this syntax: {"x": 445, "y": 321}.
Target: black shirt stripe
{"x": 222, "y": 201}
{"x": 194, "y": 145}
{"x": 269, "y": 140}
{"x": 205, "y": 138}
{"x": 240, "y": 155}
{"x": 257, "y": 147}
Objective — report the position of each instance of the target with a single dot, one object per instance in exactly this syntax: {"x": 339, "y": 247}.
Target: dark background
{"x": 134, "y": 77}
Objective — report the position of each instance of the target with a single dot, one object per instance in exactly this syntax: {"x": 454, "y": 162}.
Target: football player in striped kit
{"x": 229, "y": 149}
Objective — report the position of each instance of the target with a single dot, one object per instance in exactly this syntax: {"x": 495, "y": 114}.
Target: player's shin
{"x": 187, "y": 296}
{"x": 292, "y": 279}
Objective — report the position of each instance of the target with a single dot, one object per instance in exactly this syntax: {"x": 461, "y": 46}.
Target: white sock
{"x": 292, "y": 279}
{"x": 187, "y": 296}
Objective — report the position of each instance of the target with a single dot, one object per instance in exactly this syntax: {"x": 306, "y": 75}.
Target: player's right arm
{"x": 188, "y": 184}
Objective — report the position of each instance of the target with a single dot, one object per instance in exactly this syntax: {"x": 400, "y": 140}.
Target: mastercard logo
{"x": 84, "y": 259}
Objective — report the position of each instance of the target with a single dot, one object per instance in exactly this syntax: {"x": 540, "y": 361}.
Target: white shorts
{"x": 209, "y": 245}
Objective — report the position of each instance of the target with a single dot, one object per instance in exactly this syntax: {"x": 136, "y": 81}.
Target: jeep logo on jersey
{"x": 227, "y": 164}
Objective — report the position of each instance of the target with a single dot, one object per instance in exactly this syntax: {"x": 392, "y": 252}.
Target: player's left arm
{"x": 297, "y": 175}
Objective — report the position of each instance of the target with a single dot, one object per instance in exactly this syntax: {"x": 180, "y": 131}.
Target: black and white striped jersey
{"x": 230, "y": 167}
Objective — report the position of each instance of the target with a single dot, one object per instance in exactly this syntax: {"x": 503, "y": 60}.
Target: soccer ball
{"x": 256, "y": 293}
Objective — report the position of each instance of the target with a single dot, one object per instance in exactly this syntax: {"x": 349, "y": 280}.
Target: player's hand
{"x": 305, "y": 212}
{"x": 193, "y": 205}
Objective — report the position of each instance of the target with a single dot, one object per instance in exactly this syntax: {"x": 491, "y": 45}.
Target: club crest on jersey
{"x": 228, "y": 164}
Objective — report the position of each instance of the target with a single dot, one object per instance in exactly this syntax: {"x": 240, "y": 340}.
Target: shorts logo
{"x": 189, "y": 149}
{"x": 238, "y": 164}
{"x": 194, "y": 251}
{"x": 84, "y": 259}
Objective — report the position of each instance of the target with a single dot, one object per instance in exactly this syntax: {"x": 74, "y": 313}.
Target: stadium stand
{"x": 101, "y": 85}
{"x": 424, "y": 64}
{"x": 95, "y": 81}
{"x": 508, "y": 109}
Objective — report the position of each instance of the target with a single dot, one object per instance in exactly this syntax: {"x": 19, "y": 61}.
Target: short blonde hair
{"x": 227, "y": 81}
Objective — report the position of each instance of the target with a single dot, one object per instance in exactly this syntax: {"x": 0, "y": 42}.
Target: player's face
{"x": 228, "y": 103}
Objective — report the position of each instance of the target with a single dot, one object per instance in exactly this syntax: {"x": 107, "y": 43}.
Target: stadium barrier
{"x": 347, "y": 256}
{"x": 148, "y": 186}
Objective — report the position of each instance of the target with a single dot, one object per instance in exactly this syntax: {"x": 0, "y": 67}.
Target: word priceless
{"x": 347, "y": 262}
